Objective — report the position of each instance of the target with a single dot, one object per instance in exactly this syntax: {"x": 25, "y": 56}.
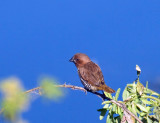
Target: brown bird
{"x": 90, "y": 74}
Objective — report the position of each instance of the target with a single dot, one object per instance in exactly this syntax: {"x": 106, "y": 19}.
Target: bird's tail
{"x": 108, "y": 89}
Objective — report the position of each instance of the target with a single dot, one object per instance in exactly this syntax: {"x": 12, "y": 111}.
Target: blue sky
{"x": 39, "y": 37}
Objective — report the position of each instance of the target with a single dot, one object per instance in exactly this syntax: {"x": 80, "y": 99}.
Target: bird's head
{"x": 80, "y": 59}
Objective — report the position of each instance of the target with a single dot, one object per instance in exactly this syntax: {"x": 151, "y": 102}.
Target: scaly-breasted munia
{"x": 90, "y": 74}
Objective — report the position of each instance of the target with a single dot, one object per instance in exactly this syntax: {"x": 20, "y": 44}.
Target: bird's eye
{"x": 77, "y": 59}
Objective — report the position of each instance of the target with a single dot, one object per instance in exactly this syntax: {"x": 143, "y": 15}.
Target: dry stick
{"x": 99, "y": 95}
{"x": 126, "y": 117}
{"x": 123, "y": 106}
{"x": 63, "y": 86}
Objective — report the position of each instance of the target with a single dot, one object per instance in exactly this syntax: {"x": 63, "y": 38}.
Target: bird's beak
{"x": 72, "y": 59}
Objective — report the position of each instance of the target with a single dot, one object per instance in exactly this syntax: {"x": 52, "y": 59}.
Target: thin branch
{"x": 123, "y": 106}
{"x": 126, "y": 117}
{"x": 62, "y": 86}
{"x": 127, "y": 113}
{"x": 31, "y": 90}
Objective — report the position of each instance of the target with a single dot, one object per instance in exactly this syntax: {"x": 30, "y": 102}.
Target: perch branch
{"x": 127, "y": 113}
{"x": 121, "y": 105}
{"x": 62, "y": 86}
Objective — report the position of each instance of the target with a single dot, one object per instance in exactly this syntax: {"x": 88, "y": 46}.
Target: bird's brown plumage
{"x": 90, "y": 73}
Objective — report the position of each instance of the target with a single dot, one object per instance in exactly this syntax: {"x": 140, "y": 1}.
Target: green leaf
{"x": 147, "y": 85}
{"x": 114, "y": 107}
{"x": 143, "y": 114}
{"x": 106, "y": 106}
{"x": 129, "y": 107}
{"x": 154, "y": 119}
{"x": 149, "y": 120}
{"x": 119, "y": 111}
{"x": 148, "y": 109}
{"x": 142, "y": 108}
{"x": 148, "y": 91}
{"x": 137, "y": 110}
{"x": 140, "y": 88}
{"x": 109, "y": 118}
{"x": 117, "y": 94}
{"x": 134, "y": 87}
{"x": 116, "y": 110}
{"x": 108, "y": 95}
{"x": 125, "y": 94}
{"x": 146, "y": 101}
{"x": 103, "y": 112}
{"x": 106, "y": 102}
{"x": 151, "y": 97}
{"x": 118, "y": 119}
{"x": 129, "y": 85}
{"x": 137, "y": 100}
{"x": 113, "y": 98}
{"x": 134, "y": 109}
{"x": 100, "y": 109}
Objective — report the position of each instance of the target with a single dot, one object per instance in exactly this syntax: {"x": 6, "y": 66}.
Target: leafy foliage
{"x": 140, "y": 100}
{"x": 49, "y": 90}
{"x": 14, "y": 99}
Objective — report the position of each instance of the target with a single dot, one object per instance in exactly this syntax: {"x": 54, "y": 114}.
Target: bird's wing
{"x": 92, "y": 73}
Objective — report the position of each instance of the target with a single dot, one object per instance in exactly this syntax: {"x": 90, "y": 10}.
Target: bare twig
{"x": 31, "y": 90}
{"x": 72, "y": 87}
{"x": 127, "y": 118}
{"x": 62, "y": 86}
